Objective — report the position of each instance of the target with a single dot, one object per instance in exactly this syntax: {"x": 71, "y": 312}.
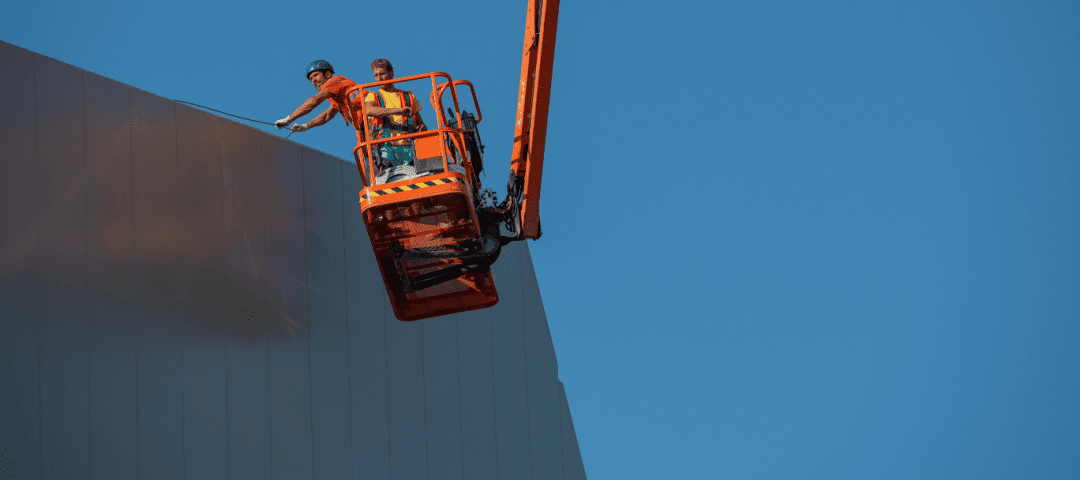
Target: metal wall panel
{"x": 510, "y": 373}
{"x": 210, "y": 308}
{"x": 479, "y": 443}
{"x": 248, "y": 404}
{"x": 199, "y": 150}
{"x": 247, "y": 311}
{"x": 442, "y": 398}
{"x": 328, "y": 316}
{"x": 110, "y": 249}
{"x": 62, "y": 228}
{"x": 20, "y": 405}
{"x": 573, "y": 468}
{"x": 367, "y": 341}
{"x": 159, "y": 326}
{"x": 405, "y": 396}
{"x": 545, "y": 432}
{"x": 290, "y": 383}
{"x": 245, "y": 307}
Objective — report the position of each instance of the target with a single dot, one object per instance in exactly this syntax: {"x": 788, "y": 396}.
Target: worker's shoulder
{"x": 337, "y": 83}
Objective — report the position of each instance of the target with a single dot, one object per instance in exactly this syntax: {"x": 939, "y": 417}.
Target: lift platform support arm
{"x": 530, "y": 128}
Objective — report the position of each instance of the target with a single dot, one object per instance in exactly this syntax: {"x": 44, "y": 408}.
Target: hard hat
{"x": 318, "y": 65}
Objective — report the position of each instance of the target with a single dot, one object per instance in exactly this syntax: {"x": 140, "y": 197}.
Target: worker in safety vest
{"x": 399, "y": 105}
{"x": 344, "y": 95}
{"x": 393, "y": 112}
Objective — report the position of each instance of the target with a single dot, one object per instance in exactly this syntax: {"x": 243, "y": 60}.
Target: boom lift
{"x": 436, "y": 236}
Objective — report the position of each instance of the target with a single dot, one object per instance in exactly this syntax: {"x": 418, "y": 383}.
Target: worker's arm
{"x": 304, "y": 108}
{"x": 323, "y": 117}
{"x": 374, "y": 110}
{"x": 310, "y": 104}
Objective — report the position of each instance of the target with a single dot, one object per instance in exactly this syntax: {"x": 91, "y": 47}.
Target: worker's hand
{"x": 283, "y": 122}
{"x": 404, "y": 111}
{"x": 298, "y": 127}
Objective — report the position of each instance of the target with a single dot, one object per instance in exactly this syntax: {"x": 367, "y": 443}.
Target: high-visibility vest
{"x": 381, "y": 126}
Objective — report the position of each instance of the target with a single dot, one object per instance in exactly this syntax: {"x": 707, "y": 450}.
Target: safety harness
{"x": 385, "y": 125}
{"x": 388, "y": 154}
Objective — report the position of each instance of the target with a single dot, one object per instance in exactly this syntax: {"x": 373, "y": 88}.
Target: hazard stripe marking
{"x": 406, "y": 188}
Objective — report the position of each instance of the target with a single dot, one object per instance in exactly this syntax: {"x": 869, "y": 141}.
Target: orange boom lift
{"x": 436, "y": 235}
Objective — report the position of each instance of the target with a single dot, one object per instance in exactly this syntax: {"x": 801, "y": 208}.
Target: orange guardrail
{"x": 437, "y": 94}
{"x": 454, "y": 135}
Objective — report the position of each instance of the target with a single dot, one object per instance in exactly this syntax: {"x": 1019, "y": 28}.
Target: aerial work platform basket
{"x": 433, "y": 247}
{"x": 436, "y": 233}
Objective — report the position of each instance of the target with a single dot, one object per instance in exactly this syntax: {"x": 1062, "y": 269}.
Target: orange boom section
{"x": 432, "y": 247}
{"x": 530, "y": 126}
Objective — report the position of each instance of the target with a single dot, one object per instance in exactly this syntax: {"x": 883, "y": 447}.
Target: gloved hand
{"x": 283, "y": 122}
{"x": 298, "y": 127}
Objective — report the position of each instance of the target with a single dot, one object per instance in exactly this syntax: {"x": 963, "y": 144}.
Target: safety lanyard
{"x": 403, "y": 96}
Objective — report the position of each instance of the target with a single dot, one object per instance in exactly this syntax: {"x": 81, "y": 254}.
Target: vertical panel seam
{"x": 85, "y": 250}
{"x": 461, "y": 420}
{"x": 386, "y": 375}
{"x": 221, "y": 298}
{"x": 135, "y": 325}
{"x": 183, "y": 327}
{"x": 266, "y": 329}
{"x": 38, "y": 300}
{"x": 269, "y": 394}
{"x": 86, "y": 254}
{"x": 220, "y": 283}
{"x": 525, "y": 351}
{"x": 423, "y": 397}
{"x": 134, "y": 263}
{"x": 266, "y": 298}
{"x": 494, "y": 400}
{"x": 307, "y": 304}
{"x": 225, "y": 340}
{"x": 348, "y": 344}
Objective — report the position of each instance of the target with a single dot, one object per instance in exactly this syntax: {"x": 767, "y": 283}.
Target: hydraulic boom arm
{"x": 530, "y": 128}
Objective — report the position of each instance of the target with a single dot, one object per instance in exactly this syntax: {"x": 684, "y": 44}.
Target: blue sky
{"x": 782, "y": 239}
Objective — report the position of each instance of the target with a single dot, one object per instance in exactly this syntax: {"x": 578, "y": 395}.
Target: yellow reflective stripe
{"x": 414, "y": 186}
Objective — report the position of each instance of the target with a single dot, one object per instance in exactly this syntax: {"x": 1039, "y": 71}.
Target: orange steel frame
{"x": 530, "y": 127}
{"x": 435, "y": 216}
{"x": 442, "y": 212}
{"x": 456, "y": 135}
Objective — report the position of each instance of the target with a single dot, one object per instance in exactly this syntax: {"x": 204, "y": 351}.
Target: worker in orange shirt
{"x": 344, "y": 96}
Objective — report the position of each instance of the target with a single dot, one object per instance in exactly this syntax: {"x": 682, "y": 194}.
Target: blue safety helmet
{"x": 318, "y": 65}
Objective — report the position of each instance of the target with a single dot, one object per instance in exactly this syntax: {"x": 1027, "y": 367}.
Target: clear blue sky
{"x": 782, "y": 239}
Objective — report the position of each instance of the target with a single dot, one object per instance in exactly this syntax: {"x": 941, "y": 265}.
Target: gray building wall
{"x": 185, "y": 297}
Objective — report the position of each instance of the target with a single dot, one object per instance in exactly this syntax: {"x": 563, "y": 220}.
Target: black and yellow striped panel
{"x": 405, "y": 188}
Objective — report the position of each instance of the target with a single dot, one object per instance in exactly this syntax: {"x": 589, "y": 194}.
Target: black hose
{"x": 237, "y": 116}
{"x": 223, "y": 113}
